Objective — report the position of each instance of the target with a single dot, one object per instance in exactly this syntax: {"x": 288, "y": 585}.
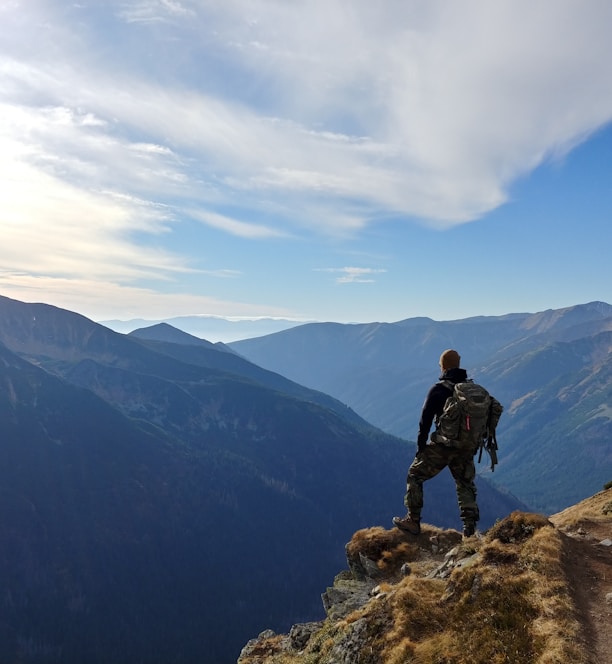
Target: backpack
{"x": 469, "y": 420}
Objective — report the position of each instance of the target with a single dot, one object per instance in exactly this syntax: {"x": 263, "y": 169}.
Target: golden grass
{"x": 556, "y": 625}
{"x": 517, "y": 527}
{"x": 595, "y": 509}
{"x": 485, "y": 622}
{"x": 512, "y": 606}
{"x": 389, "y": 549}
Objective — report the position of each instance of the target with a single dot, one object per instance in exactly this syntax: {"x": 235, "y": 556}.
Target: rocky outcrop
{"x": 376, "y": 558}
{"x": 509, "y": 595}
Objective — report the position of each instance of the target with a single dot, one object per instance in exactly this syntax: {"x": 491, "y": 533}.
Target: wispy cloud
{"x": 234, "y": 226}
{"x": 53, "y": 227}
{"x": 427, "y": 112}
{"x": 301, "y": 118}
{"x": 150, "y": 11}
{"x": 352, "y": 275}
{"x": 104, "y": 300}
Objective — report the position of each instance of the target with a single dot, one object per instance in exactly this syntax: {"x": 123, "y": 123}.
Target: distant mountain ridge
{"x": 168, "y": 333}
{"x": 384, "y": 370}
{"x": 164, "y": 501}
{"x": 215, "y": 328}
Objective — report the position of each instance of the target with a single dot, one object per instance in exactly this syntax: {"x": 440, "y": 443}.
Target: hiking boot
{"x": 408, "y": 524}
{"x": 469, "y": 529}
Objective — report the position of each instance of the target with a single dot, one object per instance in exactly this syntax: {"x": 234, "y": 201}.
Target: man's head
{"x": 449, "y": 359}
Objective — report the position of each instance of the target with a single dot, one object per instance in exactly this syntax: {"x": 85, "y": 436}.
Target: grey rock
{"x": 348, "y": 649}
{"x": 248, "y": 649}
{"x": 370, "y": 567}
{"x": 300, "y": 634}
{"x": 346, "y": 596}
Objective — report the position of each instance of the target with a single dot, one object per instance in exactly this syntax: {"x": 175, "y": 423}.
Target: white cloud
{"x": 313, "y": 115}
{"x": 233, "y": 226}
{"x": 50, "y": 226}
{"x": 151, "y": 11}
{"x": 104, "y": 300}
{"x": 353, "y": 275}
{"x": 425, "y": 111}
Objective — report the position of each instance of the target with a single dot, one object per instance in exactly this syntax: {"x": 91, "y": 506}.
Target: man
{"x": 431, "y": 459}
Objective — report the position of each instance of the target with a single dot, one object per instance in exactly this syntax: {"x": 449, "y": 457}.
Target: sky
{"x": 331, "y": 160}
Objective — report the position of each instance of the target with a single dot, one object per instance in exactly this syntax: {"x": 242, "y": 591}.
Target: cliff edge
{"x": 530, "y": 590}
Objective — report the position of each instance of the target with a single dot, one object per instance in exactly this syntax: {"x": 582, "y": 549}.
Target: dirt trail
{"x": 587, "y": 528}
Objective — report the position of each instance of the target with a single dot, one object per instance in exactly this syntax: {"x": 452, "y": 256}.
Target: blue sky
{"x": 314, "y": 160}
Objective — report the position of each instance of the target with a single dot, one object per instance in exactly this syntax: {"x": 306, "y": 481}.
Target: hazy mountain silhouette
{"x": 209, "y": 327}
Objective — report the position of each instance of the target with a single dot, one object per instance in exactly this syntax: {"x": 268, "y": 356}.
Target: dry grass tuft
{"x": 496, "y": 553}
{"x": 416, "y": 610}
{"x": 517, "y": 527}
{"x": 373, "y": 542}
{"x": 389, "y": 549}
{"x": 391, "y": 561}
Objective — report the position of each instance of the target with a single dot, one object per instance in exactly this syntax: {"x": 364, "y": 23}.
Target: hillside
{"x": 156, "y": 508}
{"x": 552, "y": 370}
{"x": 530, "y": 590}
{"x": 188, "y": 349}
{"x": 558, "y": 420}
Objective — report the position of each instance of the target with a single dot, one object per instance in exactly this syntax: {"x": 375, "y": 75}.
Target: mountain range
{"x": 164, "y": 499}
{"x": 552, "y": 371}
{"x": 214, "y": 328}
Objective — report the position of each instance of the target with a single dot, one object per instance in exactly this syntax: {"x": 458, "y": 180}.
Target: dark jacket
{"x": 434, "y": 402}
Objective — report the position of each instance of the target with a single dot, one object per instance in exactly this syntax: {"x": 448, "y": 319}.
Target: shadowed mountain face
{"x": 164, "y": 502}
{"x": 551, "y": 370}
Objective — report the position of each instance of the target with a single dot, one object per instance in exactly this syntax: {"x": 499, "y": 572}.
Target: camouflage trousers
{"x": 428, "y": 463}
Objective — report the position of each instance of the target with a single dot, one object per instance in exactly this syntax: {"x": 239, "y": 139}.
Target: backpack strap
{"x": 495, "y": 411}
{"x": 491, "y": 447}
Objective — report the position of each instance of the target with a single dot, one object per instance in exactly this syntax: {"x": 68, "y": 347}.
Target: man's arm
{"x": 433, "y": 405}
